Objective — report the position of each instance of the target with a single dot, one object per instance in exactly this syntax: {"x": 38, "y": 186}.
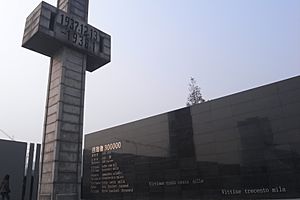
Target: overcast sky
{"x": 157, "y": 45}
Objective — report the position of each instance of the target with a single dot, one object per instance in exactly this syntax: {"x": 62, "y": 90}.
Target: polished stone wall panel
{"x": 242, "y": 146}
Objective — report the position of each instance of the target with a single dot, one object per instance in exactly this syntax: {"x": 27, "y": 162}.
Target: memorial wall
{"x": 21, "y": 168}
{"x": 242, "y": 146}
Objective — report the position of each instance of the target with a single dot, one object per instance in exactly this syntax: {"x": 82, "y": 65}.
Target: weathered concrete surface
{"x": 74, "y": 47}
{"x": 61, "y": 162}
{"x": 48, "y": 29}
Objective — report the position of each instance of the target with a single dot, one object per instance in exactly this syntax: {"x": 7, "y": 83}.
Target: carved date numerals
{"x": 80, "y": 40}
{"x": 79, "y": 33}
{"x": 78, "y": 27}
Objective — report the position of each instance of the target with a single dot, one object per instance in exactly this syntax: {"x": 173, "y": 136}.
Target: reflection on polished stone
{"x": 243, "y": 146}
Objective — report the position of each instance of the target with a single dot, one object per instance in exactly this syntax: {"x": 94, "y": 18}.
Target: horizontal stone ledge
{"x": 65, "y": 103}
{"x": 46, "y": 177}
{"x": 34, "y": 14}
{"x": 70, "y": 127}
{"x": 78, "y": 12}
{"x": 47, "y": 167}
{"x": 49, "y": 147}
{"x": 69, "y": 147}
{"x": 76, "y": 101}
{"x": 76, "y": 64}
{"x": 69, "y": 156}
{"x": 68, "y": 152}
{"x": 52, "y": 109}
{"x": 68, "y": 173}
{"x": 59, "y": 182}
{"x": 59, "y": 161}
{"x": 73, "y": 83}
{"x": 72, "y": 180}
{"x": 53, "y": 100}
{"x": 78, "y": 68}
{"x": 72, "y": 91}
{"x": 63, "y": 134}
{"x": 51, "y": 127}
{"x": 50, "y": 137}
{"x": 55, "y": 82}
{"x": 71, "y": 118}
{"x": 79, "y": 3}
{"x": 70, "y": 123}
{"x": 47, "y": 173}
{"x": 62, "y": 141}
{"x": 70, "y": 136}
{"x": 73, "y": 75}
{"x": 51, "y": 118}
{"x": 72, "y": 109}
{"x": 56, "y": 74}
{"x": 63, "y": 121}
{"x": 48, "y": 156}
{"x": 52, "y": 151}
{"x": 49, "y": 150}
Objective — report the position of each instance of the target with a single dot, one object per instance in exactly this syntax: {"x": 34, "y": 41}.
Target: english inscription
{"x": 106, "y": 175}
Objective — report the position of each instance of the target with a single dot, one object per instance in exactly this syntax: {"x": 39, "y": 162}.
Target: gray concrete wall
{"x": 12, "y": 155}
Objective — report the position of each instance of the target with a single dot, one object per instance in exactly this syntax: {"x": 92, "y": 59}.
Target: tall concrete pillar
{"x": 61, "y": 161}
{"x": 74, "y": 47}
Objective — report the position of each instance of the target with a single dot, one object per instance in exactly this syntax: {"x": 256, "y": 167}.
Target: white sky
{"x": 228, "y": 46}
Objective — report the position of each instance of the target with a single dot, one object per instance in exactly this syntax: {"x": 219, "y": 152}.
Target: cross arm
{"x": 48, "y": 29}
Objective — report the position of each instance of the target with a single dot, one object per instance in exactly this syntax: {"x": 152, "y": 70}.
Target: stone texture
{"x": 78, "y": 8}
{"x": 61, "y": 150}
{"x": 45, "y": 33}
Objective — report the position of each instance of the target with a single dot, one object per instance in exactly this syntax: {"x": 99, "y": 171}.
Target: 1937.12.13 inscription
{"x": 80, "y": 34}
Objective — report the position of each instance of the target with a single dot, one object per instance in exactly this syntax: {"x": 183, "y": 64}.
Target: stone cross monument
{"x": 74, "y": 46}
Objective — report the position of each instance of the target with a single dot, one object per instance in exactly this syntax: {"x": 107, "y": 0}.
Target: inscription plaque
{"x": 106, "y": 175}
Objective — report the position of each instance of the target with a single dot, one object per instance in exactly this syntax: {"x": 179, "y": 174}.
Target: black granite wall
{"x": 242, "y": 146}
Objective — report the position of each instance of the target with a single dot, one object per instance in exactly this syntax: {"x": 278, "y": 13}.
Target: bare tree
{"x": 195, "y": 95}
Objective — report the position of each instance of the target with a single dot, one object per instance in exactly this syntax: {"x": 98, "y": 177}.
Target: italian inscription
{"x": 251, "y": 191}
{"x": 176, "y": 182}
